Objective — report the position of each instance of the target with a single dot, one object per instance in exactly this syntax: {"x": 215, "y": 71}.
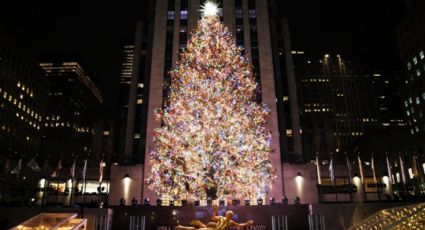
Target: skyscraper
{"x": 173, "y": 21}
{"x": 410, "y": 33}
{"x": 337, "y": 104}
{"x": 131, "y": 124}
{"x": 23, "y": 98}
{"x": 69, "y": 123}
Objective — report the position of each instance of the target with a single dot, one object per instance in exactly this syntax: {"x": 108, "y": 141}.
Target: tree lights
{"x": 213, "y": 142}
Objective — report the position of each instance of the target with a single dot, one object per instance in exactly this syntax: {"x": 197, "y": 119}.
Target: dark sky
{"x": 96, "y": 31}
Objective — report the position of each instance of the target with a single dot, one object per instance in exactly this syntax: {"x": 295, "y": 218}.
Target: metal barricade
{"x": 137, "y": 222}
{"x": 280, "y": 222}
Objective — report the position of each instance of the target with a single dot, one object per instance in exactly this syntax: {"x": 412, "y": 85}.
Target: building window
{"x": 410, "y": 100}
{"x": 423, "y": 96}
{"x": 408, "y": 112}
{"x": 422, "y": 55}
{"x": 415, "y": 60}
{"x": 409, "y": 66}
{"x": 406, "y": 104}
{"x": 418, "y": 101}
{"x": 183, "y": 14}
{"x": 418, "y": 72}
{"x": 252, "y": 14}
{"x": 170, "y": 15}
{"x": 239, "y": 13}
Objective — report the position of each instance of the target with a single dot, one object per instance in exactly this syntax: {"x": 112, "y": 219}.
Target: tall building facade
{"x": 173, "y": 20}
{"x": 23, "y": 99}
{"x": 131, "y": 123}
{"x": 338, "y": 106}
{"x": 69, "y": 123}
{"x": 411, "y": 39}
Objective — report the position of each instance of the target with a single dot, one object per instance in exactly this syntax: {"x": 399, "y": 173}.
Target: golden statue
{"x": 217, "y": 222}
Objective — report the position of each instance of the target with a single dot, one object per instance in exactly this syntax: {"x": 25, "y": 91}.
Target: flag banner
{"x": 7, "y": 166}
{"x": 57, "y": 170}
{"x": 415, "y": 171}
{"x": 348, "y": 166}
{"x": 372, "y": 165}
{"x": 18, "y": 167}
{"x": 402, "y": 172}
{"x": 83, "y": 173}
{"x": 72, "y": 170}
{"x": 331, "y": 169}
{"x": 389, "y": 171}
{"x": 101, "y": 166}
{"x": 33, "y": 165}
{"x": 319, "y": 178}
{"x": 360, "y": 168}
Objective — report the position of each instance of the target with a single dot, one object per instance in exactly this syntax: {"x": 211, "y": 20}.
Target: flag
{"x": 415, "y": 171}
{"x": 72, "y": 170}
{"x": 390, "y": 174}
{"x": 331, "y": 169}
{"x": 360, "y": 168}
{"x": 319, "y": 178}
{"x": 101, "y": 166}
{"x": 403, "y": 176}
{"x": 348, "y": 166}
{"x": 83, "y": 174}
{"x": 7, "y": 166}
{"x": 58, "y": 168}
{"x": 33, "y": 165}
{"x": 84, "y": 171}
{"x": 17, "y": 169}
{"x": 372, "y": 165}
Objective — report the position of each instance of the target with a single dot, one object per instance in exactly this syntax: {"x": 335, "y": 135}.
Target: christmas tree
{"x": 213, "y": 142}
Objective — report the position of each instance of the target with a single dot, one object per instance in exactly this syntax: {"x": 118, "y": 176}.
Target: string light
{"x": 213, "y": 139}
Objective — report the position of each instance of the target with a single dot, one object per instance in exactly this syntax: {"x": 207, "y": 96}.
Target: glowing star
{"x": 209, "y": 9}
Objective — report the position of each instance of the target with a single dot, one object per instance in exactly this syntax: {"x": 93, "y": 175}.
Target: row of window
{"x": 21, "y": 106}
{"x": 415, "y": 60}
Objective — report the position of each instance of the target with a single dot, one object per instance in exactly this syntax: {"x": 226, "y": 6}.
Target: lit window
{"x": 408, "y": 112}
{"x": 422, "y": 55}
{"x": 136, "y": 136}
{"x": 139, "y": 101}
{"x": 252, "y": 14}
{"x": 140, "y": 85}
{"x": 418, "y": 101}
{"x": 417, "y": 128}
{"x": 423, "y": 96}
{"x": 170, "y": 15}
{"x": 415, "y": 60}
{"x": 409, "y": 66}
{"x": 239, "y": 13}
{"x": 183, "y": 14}
{"x": 418, "y": 72}
{"x": 412, "y": 109}
{"x": 410, "y": 100}
{"x": 18, "y": 84}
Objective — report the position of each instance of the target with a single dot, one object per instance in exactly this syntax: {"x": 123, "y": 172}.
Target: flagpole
{"x": 378, "y": 189}
{"x": 359, "y": 160}
{"x": 403, "y": 175}
{"x": 319, "y": 178}
{"x": 349, "y": 175}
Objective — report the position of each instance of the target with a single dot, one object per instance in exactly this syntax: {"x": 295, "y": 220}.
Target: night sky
{"x": 95, "y": 31}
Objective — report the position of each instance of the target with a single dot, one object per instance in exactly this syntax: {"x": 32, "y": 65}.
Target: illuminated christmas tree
{"x": 213, "y": 141}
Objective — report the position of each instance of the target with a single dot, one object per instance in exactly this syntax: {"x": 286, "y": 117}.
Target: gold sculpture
{"x": 217, "y": 222}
